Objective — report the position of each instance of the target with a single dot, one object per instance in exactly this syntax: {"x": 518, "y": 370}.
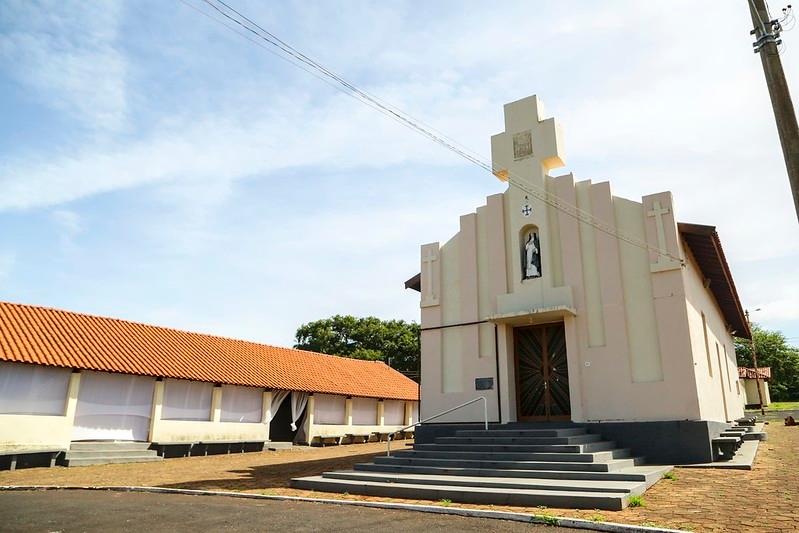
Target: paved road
{"x": 68, "y": 511}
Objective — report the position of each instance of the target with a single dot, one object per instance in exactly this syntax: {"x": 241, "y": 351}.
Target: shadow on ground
{"x": 273, "y": 475}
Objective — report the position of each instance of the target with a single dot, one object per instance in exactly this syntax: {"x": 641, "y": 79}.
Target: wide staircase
{"x": 523, "y": 465}
{"x": 106, "y": 452}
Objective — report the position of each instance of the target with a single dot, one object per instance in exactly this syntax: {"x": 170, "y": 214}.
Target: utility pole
{"x": 767, "y": 34}
{"x": 754, "y": 361}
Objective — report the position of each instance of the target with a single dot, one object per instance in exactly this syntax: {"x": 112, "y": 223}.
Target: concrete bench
{"x": 327, "y": 440}
{"x": 11, "y": 459}
{"x": 724, "y": 447}
{"x": 172, "y": 449}
{"x": 227, "y": 446}
{"x": 359, "y": 437}
{"x": 381, "y": 436}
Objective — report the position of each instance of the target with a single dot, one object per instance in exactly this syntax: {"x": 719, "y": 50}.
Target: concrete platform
{"x": 742, "y": 460}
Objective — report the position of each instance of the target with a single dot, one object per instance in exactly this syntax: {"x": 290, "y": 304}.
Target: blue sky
{"x": 157, "y": 167}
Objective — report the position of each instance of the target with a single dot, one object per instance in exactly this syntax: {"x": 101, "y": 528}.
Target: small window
{"x": 707, "y": 346}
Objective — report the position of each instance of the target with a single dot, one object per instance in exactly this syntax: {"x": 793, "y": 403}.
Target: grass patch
{"x": 445, "y": 502}
{"x": 783, "y": 406}
{"x": 670, "y": 475}
{"x": 548, "y": 520}
{"x": 596, "y": 518}
{"x": 636, "y": 501}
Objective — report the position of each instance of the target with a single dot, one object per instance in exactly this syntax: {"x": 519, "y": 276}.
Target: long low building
{"x": 67, "y": 377}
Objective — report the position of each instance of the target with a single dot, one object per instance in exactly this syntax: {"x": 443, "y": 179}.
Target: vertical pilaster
{"x": 348, "y": 411}
{"x": 266, "y": 410}
{"x": 381, "y": 410}
{"x": 216, "y": 404}
{"x": 158, "y": 406}
{"x": 309, "y": 425}
{"x": 408, "y": 413}
{"x": 73, "y": 389}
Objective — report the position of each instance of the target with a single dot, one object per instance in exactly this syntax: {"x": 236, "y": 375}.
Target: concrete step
{"x": 108, "y": 445}
{"x": 547, "y": 448}
{"x": 578, "y": 439}
{"x": 85, "y": 461}
{"x": 486, "y": 462}
{"x": 643, "y": 474}
{"x": 553, "y": 432}
{"x": 591, "y": 457}
{"x": 81, "y": 454}
{"x": 630, "y": 487}
{"x": 755, "y": 435}
{"x": 479, "y": 495}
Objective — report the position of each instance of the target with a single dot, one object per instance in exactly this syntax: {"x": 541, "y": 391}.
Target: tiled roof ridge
{"x": 183, "y": 331}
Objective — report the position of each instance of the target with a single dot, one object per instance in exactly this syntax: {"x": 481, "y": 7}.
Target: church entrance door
{"x": 542, "y": 376}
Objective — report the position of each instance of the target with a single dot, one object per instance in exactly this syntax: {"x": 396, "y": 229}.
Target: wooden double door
{"x": 542, "y": 375}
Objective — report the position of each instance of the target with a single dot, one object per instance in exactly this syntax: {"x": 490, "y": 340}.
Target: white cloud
{"x": 65, "y": 52}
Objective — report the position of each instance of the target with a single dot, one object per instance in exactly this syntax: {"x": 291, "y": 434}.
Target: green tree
{"x": 395, "y": 342}
{"x": 774, "y": 351}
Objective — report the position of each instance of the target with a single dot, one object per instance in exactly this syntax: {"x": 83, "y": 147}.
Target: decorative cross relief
{"x": 663, "y": 261}
{"x": 429, "y": 293}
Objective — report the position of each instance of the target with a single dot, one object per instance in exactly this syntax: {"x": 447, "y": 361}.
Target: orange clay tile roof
{"x": 32, "y": 334}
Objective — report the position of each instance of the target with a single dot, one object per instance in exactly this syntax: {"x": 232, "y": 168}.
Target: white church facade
{"x": 558, "y": 301}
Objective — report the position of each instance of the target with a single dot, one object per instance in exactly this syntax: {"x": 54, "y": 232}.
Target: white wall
{"x": 56, "y": 431}
{"x": 715, "y": 373}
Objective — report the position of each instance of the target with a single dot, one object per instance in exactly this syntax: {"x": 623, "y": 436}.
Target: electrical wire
{"x": 316, "y": 69}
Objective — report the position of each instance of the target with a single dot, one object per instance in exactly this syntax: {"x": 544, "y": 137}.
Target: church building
{"x": 560, "y": 302}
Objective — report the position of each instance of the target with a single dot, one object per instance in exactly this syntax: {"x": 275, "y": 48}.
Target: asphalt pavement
{"x": 79, "y": 511}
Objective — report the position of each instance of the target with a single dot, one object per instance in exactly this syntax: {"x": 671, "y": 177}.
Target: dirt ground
{"x": 763, "y": 499}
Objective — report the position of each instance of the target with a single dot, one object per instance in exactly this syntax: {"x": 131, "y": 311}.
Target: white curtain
{"x": 298, "y": 402}
{"x": 394, "y": 413}
{"x": 113, "y": 407}
{"x": 364, "y": 411}
{"x": 187, "y": 400}
{"x": 329, "y": 409}
{"x": 241, "y": 404}
{"x": 277, "y": 401}
{"x": 27, "y": 389}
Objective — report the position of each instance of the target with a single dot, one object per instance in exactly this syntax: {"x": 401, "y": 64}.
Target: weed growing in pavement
{"x": 445, "y": 502}
{"x": 636, "y": 501}
{"x": 670, "y": 475}
{"x": 597, "y": 518}
{"x": 548, "y": 520}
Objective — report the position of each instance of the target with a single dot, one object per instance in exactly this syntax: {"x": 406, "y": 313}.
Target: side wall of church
{"x": 716, "y": 371}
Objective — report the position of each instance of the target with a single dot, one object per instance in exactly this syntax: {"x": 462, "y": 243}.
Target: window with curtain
{"x": 364, "y": 411}
{"x": 187, "y": 400}
{"x": 242, "y": 404}
{"x": 329, "y": 409}
{"x": 27, "y": 389}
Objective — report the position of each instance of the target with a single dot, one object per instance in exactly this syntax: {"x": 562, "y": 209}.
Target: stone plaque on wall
{"x": 483, "y": 383}
{"x": 522, "y": 145}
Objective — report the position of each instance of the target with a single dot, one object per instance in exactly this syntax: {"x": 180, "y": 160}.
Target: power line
{"x": 318, "y": 70}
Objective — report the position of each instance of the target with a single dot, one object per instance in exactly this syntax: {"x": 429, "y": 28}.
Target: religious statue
{"x": 532, "y": 257}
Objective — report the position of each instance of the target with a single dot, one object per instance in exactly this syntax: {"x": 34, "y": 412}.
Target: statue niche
{"x": 531, "y": 254}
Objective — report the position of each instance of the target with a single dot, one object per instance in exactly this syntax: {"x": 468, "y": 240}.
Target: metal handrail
{"x": 485, "y": 418}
